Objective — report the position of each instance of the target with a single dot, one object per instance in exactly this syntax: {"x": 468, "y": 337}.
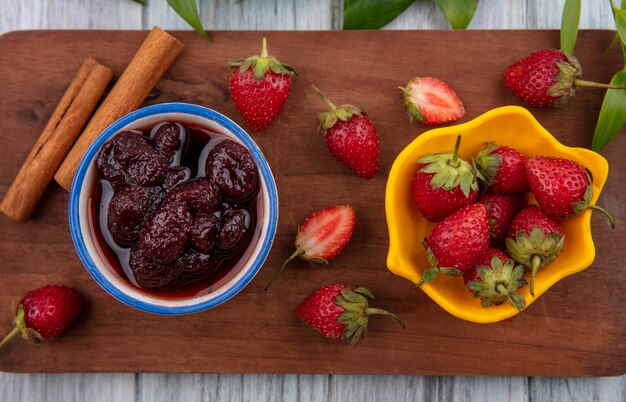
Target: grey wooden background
{"x": 292, "y": 14}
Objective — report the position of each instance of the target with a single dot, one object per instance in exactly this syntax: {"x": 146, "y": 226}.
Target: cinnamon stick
{"x": 153, "y": 58}
{"x": 56, "y": 139}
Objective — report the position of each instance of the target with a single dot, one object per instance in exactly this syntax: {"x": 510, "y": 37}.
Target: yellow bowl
{"x": 512, "y": 126}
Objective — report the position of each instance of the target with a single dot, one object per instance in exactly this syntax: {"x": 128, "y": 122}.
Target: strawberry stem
{"x": 324, "y": 98}
{"x": 605, "y": 212}
{"x": 264, "y": 48}
{"x": 14, "y": 332}
{"x": 583, "y": 83}
{"x": 500, "y": 288}
{"x": 534, "y": 267}
{"x": 380, "y": 311}
{"x": 405, "y": 90}
{"x": 455, "y": 156}
{"x": 296, "y": 253}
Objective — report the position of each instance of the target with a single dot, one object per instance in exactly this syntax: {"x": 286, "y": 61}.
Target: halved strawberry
{"x": 323, "y": 235}
{"x": 431, "y": 101}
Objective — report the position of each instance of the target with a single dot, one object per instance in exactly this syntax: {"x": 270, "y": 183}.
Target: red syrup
{"x": 200, "y": 140}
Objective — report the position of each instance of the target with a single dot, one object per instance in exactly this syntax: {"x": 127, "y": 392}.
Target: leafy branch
{"x": 612, "y": 117}
{"x": 374, "y": 14}
{"x": 188, "y": 10}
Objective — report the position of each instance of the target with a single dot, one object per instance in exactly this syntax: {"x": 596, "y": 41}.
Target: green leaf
{"x": 612, "y": 114}
{"x": 458, "y": 12}
{"x": 620, "y": 19}
{"x": 188, "y": 10}
{"x": 430, "y": 275}
{"x": 569, "y": 25}
{"x": 372, "y": 14}
{"x": 142, "y": 2}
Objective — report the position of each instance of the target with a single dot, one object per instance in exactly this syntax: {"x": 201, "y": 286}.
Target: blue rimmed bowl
{"x": 91, "y": 253}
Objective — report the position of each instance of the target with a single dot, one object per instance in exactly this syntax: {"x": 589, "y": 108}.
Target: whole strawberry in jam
{"x": 501, "y": 209}
{"x": 456, "y": 243}
{"x": 534, "y": 240}
{"x": 44, "y": 313}
{"x": 502, "y": 169}
{"x": 443, "y": 183}
{"x": 496, "y": 280}
{"x": 340, "y": 312}
{"x": 260, "y": 86}
{"x": 561, "y": 186}
{"x": 547, "y": 77}
{"x": 350, "y": 137}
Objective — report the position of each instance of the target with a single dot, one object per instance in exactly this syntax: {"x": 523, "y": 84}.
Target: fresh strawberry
{"x": 501, "y": 209}
{"x": 484, "y": 260}
{"x": 340, "y": 311}
{"x": 456, "y": 243}
{"x": 260, "y": 86}
{"x": 547, "y": 77}
{"x": 322, "y": 236}
{"x": 44, "y": 313}
{"x": 431, "y": 101}
{"x": 502, "y": 169}
{"x": 443, "y": 183}
{"x": 534, "y": 240}
{"x": 470, "y": 275}
{"x": 561, "y": 186}
{"x": 496, "y": 279}
{"x": 350, "y": 137}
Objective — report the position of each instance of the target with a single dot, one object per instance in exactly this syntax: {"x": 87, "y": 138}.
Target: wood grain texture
{"x": 223, "y": 14}
{"x": 563, "y": 323}
{"x": 68, "y": 387}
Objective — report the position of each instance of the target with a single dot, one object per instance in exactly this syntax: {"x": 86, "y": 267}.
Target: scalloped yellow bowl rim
{"x": 513, "y": 126}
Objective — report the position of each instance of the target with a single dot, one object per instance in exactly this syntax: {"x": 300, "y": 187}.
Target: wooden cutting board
{"x": 577, "y": 329}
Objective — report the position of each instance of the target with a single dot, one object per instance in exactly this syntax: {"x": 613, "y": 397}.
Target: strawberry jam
{"x": 175, "y": 208}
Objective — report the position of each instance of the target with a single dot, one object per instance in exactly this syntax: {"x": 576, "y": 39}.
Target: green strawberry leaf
{"x": 451, "y": 271}
{"x": 612, "y": 114}
{"x": 569, "y": 25}
{"x": 188, "y": 10}
{"x": 142, "y": 2}
{"x": 372, "y": 14}
{"x": 430, "y": 275}
{"x": 458, "y": 12}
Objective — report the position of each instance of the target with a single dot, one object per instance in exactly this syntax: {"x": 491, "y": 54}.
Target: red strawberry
{"x": 502, "y": 169}
{"x": 44, "y": 313}
{"x": 443, "y": 183}
{"x": 501, "y": 209}
{"x": 547, "y": 78}
{"x": 534, "y": 240}
{"x": 484, "y": 260}
{"x": 456, "y": 243}
{"x": 323, "y": 235}
{"x": 561, "y": 186}
{"x": 340, "y": 311}
{"x": 431, "y": 101}
{"x": 260, "y": 86}
{"x": 350, "y": 137}
{"x": 496, "y": 279}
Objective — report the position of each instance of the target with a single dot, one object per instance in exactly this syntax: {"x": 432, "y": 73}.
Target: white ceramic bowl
{"x": 90, "y": 251}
